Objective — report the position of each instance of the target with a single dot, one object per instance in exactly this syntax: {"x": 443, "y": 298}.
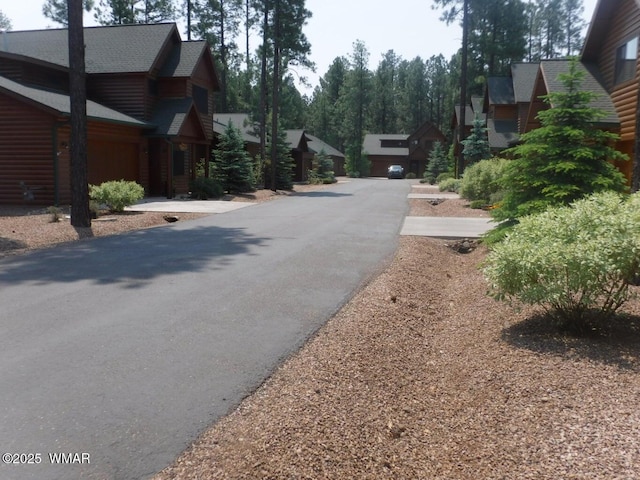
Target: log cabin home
{"x": 149, "y": 110}
{"x": 609, "y": 64}
{"x": 409, "y": 151}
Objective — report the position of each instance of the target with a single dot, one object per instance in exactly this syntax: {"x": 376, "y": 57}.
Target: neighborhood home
{"x": 409, "y": 151}
{"x": 303, "y": 146}
{"x": 316, "y": 146}
{"x": 149, "y": 110}
{"x": 609, "y": 63}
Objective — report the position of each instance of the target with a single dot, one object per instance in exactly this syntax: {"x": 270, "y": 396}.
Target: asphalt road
{"x": 123, "y": 349}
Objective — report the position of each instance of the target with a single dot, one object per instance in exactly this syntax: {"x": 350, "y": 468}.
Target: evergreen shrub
{"x": 203, "y": 188}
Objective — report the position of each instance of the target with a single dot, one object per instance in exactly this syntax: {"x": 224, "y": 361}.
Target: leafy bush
{"x": 410, "y": 175}
{"x": 575, "y": 261}
{"x": 449, "y": 185}
{"x": 203, "y": 188}
{"x": 116, "y": 194}
{"x": 444, "y": 176}
{"x": 481, "y": 181}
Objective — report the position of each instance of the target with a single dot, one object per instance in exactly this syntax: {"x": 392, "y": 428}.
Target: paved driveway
{"x": 125, "y": 348}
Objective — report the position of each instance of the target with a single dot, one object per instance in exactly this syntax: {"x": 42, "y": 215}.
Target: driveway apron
{"x": 121, "y": 350}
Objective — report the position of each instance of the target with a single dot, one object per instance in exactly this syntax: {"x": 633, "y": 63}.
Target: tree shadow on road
{"x": 134, "y": 258}
{"x": 613, "y": 342}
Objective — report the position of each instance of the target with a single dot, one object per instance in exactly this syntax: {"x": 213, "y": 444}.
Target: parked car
{"x": 395, "y": 171}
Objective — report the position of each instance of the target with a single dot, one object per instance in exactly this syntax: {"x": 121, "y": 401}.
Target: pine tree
{"x": 476, "y": 145}
{"x": 322, "y": 169}
{"x": 5, "y": 22}
{"x": 285, "y": 164}
{"x": 233, "y": 166}
{"x": 568, "y": 157}
{"x": 57, "y": 10}
{"x": 438, "y": 162}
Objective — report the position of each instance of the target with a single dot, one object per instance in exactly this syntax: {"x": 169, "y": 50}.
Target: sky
{"x": 410, "y": 28}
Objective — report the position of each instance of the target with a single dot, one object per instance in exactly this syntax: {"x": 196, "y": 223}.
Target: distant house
{"x": 409, "y": 151}
{"x": 241, "y": 121}
{"x": 149, "y": 111}
{"x": 302, "y": 155}
{"x": 316, "y": 146}
{"x": 303, "y": 146}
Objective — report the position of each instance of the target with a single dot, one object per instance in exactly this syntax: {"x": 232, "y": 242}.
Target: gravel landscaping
{"x": 423, "y": 376}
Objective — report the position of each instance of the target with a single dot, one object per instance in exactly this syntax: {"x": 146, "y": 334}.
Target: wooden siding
{"x": 26, "y": 136}
{"x": 124, "y": 93}
{"x": 625, "y": 23}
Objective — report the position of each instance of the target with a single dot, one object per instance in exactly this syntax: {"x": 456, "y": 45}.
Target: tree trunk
{"x": 263, "y": 87}
{"x": 80, "y": 215}
{"x": 463, "y": 87}
{"x": 275, "y": 96}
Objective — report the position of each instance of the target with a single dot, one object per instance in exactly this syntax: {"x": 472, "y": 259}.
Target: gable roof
{"x": 551, "y": 69}
{"x": 296, "y": 139}
{"x": 372, "y": 144}
{"x": 524, "y": 79}
{"x": 108, "y": 49}
{"x": 316, "y": 146}
{"x": 184, "y": 59}
{"x": 500, "y": 91}
{"x": 240, "y": 121}
{"x": 60, "y": 103}
{"x": 172, "y": 115}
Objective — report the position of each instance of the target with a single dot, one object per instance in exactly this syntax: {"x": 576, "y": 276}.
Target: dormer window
{"x": 626, "y": 59}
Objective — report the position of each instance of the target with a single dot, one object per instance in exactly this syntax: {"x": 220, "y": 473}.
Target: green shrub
{"x": 116, "y": 194}
{"x": 449, "y": 185}
{"x": 444, "y": 176}
{"x": 575, "y": 261}
{"x": 410, "y": 175}
{"x": 428, "y": 179}
{"x": 481, "y": 181}
{"x": 203, "y": 188}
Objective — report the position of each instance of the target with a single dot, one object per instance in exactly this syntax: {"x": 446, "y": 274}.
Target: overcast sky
{"x": 408, "y": 27}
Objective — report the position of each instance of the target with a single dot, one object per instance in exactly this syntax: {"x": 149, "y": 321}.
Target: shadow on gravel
{"x": 132, "y": 259}
{"x": 614, "y": 342}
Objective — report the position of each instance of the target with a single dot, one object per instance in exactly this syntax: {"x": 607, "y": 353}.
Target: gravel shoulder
{"x": 422, "y": 375}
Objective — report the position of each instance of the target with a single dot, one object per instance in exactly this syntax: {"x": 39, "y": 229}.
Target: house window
{"x": 201, "y": 99}
{"x": 626, "y": 57}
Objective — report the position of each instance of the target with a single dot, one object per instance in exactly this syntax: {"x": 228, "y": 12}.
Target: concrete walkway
{"x": 160, "y": 204}
{"x": 443, "y": 227}
{"x": 446, "y": 227}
